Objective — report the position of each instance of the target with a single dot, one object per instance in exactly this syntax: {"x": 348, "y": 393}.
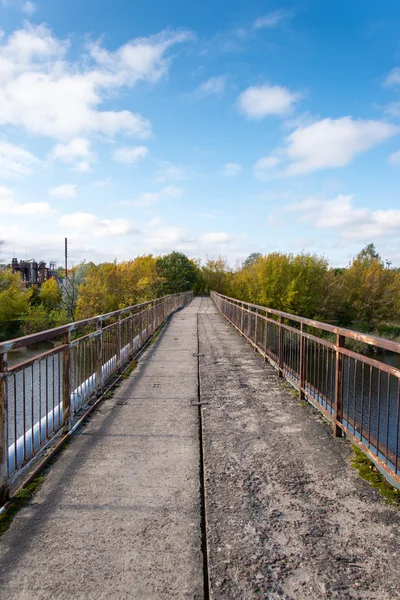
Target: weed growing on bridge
{"x": 129, "y": 369}
{"x": 19, "y": 501}
{"x": 367, "y": 471}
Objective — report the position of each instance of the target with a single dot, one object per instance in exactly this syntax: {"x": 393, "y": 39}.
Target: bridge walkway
{"x": 120, "y": 513}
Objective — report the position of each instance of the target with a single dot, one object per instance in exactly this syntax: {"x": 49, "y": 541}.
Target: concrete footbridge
{"x": 201, "y": 472}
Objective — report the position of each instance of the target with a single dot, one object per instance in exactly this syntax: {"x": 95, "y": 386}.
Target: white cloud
{"x": 393, "y": 109}
{"x": 393, "y": 78}
{"x": 333, "y": 143}
{"x": 352, "y": 224}
{"x": 101, "y": 183}
{"x": 268, "y": 162}
{"x": 272, "y": 19}
{"x": 66, "y": 190}
{"x": 9, "y": 206}
{"x": 130, "y": 155}
{"x": 150, "y": 198}
{"x": 77, "y": 152}
{"x": 232, "y": 169}
{"x": 394, "y": 159}
{"x": 95, "y": 226}
{"x": 15, "y": 162}
{"x": 170, "y": 172}
{"x": 29, "y": 8}
{"x": 215, "y": 86}
{"x": 45, "y": 94}
{"x": 165, "y": 238}
{"x": 216, "y": 237}
{"x": 262, "y": 101}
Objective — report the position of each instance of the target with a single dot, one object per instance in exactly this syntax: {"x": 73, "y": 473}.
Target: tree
{"x": 14, "y": 302}
{"x": 70, "y": 286}
{"x": 179, "y": 273}
{"x": 50, "y": 294}
{"x": 371, "y": 290}
{"x": 251, "y": 259}
{"x": 217, "y": 275}
{"x": 111, "y": 286}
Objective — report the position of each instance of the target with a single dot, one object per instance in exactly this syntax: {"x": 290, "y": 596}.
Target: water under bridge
{"x": 203, "y": 475}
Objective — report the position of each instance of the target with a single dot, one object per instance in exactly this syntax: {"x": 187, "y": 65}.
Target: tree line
{"x": 364, "y": 295}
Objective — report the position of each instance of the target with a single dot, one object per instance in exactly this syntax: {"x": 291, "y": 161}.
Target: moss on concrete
{"x": 19, "y": 501}
{"x": 368, "y": 471}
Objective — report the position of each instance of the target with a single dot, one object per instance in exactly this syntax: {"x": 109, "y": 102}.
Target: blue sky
{"x": 213, "y": 128}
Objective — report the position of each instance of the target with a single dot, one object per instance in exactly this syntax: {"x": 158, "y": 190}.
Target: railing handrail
{"x": 47, "y": 334}
{"x": 372, "y": 340}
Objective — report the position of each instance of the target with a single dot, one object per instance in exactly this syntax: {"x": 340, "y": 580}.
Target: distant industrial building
{"x": 32, "y": 272}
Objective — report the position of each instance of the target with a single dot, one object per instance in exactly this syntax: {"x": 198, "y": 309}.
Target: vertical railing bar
{"x": 47, "y": 396}
{"x": 302, "y": 363}
{"x": 15, "y": 420}
{"x": 397, "y": 425}
{"x": 66, "y": 382}
{"x": 362, "y": 401}
{"x": 24, "y": 413}
{"x": 355, "y": 395}
{"x": 337, "y": 414}
{"x": 387, "y": 417}
{"x": 280, "y": 347}
{"x": 369, "y": 404}
{"x": 378, "y": 414}
{"x": 39, "y": 364}
{"x": 4, "y": 491}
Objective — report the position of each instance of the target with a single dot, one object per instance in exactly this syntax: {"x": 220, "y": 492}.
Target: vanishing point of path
{"x": 244, "y": 496}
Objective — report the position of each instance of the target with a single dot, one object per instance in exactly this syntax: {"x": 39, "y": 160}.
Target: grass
{"x": 129, "y": 369}
{"x": 368, "y": 471}
{"x": 290, "y": 389}
{"x": 19, "y": 501}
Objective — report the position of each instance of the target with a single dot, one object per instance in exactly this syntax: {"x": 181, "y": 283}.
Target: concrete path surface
{"x": 118, "y": 516}
{"x": 120, "y": 513}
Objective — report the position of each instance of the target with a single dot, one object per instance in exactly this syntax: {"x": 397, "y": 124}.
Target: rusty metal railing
{"x": 39, "y": 397}
{"x": 358, "y": 394}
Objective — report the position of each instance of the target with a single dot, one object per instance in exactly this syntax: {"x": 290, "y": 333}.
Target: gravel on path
{"x": 287, "y": 517}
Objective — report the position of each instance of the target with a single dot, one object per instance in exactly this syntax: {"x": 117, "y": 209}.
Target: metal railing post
{"x": 141, "y": 327}
{"x": 302, "y": 366}
{"x": 99, "y": 366}
{"x": 118, "y": 344}
{"x": 241, "y": 319}
{"x": 4, "y": 492}
{"x": 280, "y": 347}
{"x": 255, "y": 329}
{"x": 66, "y": 382}
{"x": 130, "y": 329}
{"x": 266, "y": 336}
{"x": 338, "y": 408}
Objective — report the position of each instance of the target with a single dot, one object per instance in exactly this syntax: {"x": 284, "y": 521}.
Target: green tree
{"x": 251, "y": 259}
{"x": 14, "y": 302}
{"x": 179, "y": 273}
{"x": 50, "y": 294}
{"x": 217, "y": 275}
{"x": 371, "y": 290}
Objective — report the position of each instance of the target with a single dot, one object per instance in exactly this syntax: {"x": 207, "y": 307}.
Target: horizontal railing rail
{"x": 357, "y": 393}
{"x": 40, "y": 396}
